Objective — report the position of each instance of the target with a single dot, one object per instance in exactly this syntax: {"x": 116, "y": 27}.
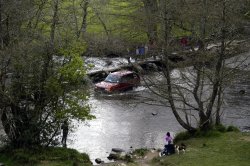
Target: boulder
{"x": 113, "y": 156}
{"x": 154, "y": 113}
{"x": 116, "y": 154}
{"x": 117, "y": 150}
{"x": 242, "y": 92}
{"x": 98, "y": 161}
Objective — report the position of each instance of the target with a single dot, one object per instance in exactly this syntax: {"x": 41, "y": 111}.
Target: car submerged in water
{"x": 118, "y": 81}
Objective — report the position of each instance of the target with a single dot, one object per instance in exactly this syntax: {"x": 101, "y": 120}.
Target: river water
{"x": 123, "y": 121}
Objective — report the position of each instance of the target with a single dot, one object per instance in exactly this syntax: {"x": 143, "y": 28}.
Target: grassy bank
{"x": 43, "y": 157}
{"x": 221, "y": 149}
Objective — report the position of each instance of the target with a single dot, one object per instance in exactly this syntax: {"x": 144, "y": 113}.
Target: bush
{"x": 232, "y": 128}
{"x": 220, "y": 128}
{"x": 128, "y": 159}
{"x": 141, "y": 152}
{"x": 23, "y": 156}
{"x": 182, "y": 136}
{"x": 186, "y": 135}
{"x": 208, "y": 133}
{"x": 50, "y": 154}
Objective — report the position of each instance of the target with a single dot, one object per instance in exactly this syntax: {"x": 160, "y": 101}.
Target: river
{"x": 123, "y": 121}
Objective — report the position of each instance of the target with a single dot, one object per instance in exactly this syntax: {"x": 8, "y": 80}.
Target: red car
{"x": 118, "y": 81}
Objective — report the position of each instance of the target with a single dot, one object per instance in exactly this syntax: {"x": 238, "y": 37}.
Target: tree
{"x": 42, "y": 75}
{"x": 196, "y": 96}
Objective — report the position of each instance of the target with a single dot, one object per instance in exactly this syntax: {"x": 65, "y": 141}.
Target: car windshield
{"x": 112, "y": 78}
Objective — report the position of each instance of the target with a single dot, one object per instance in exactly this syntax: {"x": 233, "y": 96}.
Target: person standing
{"x": 65, "y": 130}
{"x": 168, "y": 138}
{"x": 169, "y": 147}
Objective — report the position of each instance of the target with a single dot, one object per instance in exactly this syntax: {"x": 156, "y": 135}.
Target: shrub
{"x": 128, "y": 158}
{"x": 141, "y": 152}
{"x": 50, "y": 154}
{"x": 232, "y": 128}
{"x": 208, "y": 133}
{"x": 182, "y": 136}
{"x": 220, "y": 128}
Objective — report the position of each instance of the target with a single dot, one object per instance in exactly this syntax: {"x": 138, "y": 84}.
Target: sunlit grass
{"x": 227, "y": 149}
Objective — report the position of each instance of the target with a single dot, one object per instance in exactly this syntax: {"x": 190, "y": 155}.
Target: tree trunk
{"x": 84, "y": 5}
{"x": 1, "y": 26}
{"x": 171, "y": 100}
{"x": 203, "y": 20}
{"x": 102, "y": 22}
{"x": 218, "y": 108}
{"x": 167, "y": 72}
{"x": 151, "y": 10}
{"x": 219, "y": 63}
{"x": 53, "y": 24}
{"x": 21, "y": 131}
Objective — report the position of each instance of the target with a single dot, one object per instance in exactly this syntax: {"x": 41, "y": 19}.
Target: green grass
{"x": 225, "y": 149}
{"x": 43, "y": 157}
{"x": 141, "y": 152}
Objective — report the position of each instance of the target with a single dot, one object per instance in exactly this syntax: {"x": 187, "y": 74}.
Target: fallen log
{"x": 139, "y": 67}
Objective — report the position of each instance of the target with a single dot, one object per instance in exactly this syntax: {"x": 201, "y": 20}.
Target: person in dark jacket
{"x": 65, "y": 130}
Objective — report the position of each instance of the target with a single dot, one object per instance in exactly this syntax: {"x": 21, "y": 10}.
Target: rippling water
{"x": 122, "y": 121}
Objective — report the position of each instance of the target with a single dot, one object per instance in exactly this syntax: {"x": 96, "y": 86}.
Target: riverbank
{"x": 223, "y": 149}
{"x": 215, "y": 148}
{"x": 50, "y": 156}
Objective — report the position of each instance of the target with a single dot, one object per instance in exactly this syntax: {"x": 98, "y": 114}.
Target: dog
{"x": 179, "y": 148}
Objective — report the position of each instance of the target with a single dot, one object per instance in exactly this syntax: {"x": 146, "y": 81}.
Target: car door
{"x": 126, "y": 82}
{"x": 135, "y": 80}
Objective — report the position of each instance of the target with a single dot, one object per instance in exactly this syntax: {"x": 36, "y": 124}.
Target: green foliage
{"x": 216, "y": 132}
{"x": 207, "y": 134}
{"x": 39, "y": 155}
{"x": 182, "y": 136}
{"x": 229, "y": 149}
{"x": 221, "y": 128}
{"x": 232, "y": 129}
{"x": 44, "y": 85}
{"x": 141, "y": 152}
{"x": 128, "y": 158}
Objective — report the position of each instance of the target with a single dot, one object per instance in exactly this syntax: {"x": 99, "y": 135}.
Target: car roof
{"x": 122, "y": 72}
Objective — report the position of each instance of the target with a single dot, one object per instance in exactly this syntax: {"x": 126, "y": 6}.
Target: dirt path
{"x": 145, "y": 161}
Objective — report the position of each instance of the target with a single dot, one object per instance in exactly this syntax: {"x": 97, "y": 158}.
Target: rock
{"x": 154, "y": 113}
{"x": 108, "y": 63}
{"x": 122, "y": 154}
{"x": 131, "y": 150}
{"x": 113, "y": 156}
{"x": 98, "y": 161}
{"x": 1, "y": 164}
{"x": 117, "y": 150}
{"x": 176, "y": 58}
{"x": 242, "y": 92}
{"x": 116, "y": 154}
{"x": 152, "y": 150}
